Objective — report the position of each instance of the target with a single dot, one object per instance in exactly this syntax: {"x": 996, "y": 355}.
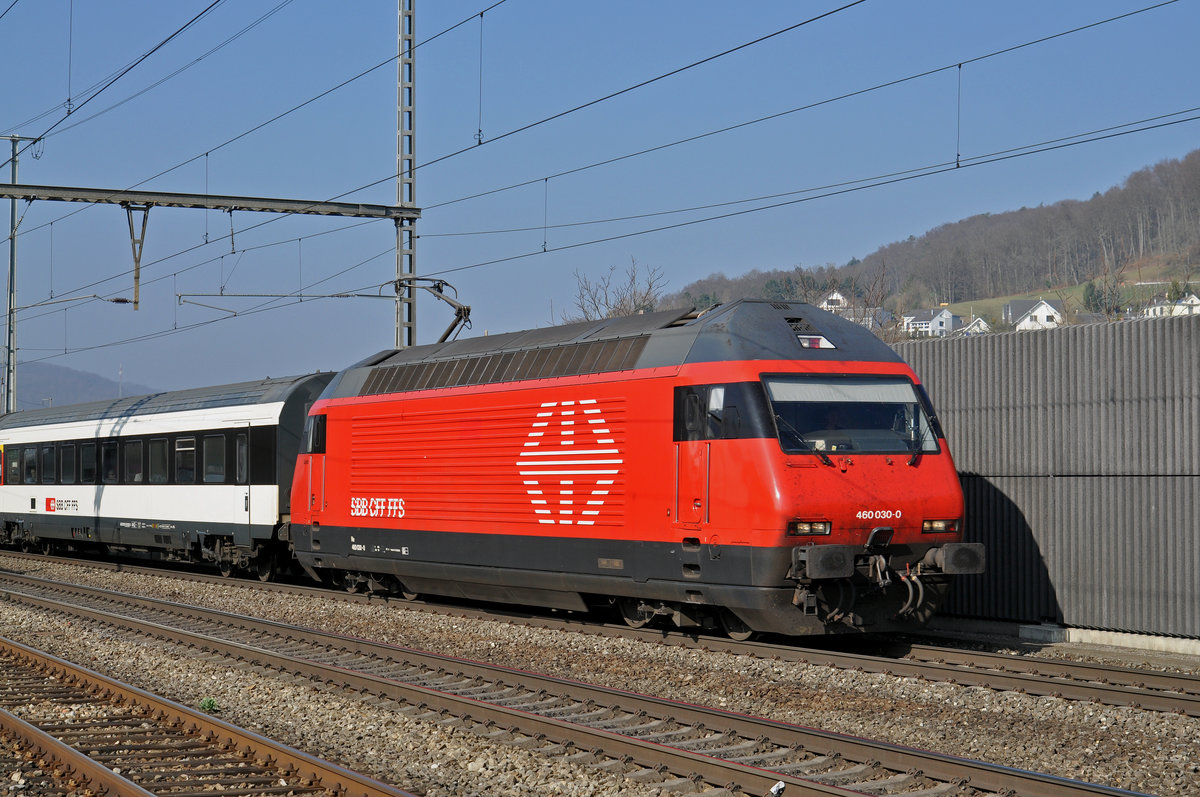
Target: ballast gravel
{"x": 1126, "y": 748}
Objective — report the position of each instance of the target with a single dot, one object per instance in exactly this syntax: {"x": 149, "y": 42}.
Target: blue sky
{"x": 539, "y": 58}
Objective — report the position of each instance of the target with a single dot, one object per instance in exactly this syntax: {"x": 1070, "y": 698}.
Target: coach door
{"x": 241, "y": 474}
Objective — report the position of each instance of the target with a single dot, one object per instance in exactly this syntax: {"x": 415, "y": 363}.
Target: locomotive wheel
{"x": 380, "y": 585}
{"x": 733, "y": 626}
{"x": 632, "y": 613}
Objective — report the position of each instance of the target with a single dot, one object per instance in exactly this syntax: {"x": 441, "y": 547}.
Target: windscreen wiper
{"x": 804, "y": 441}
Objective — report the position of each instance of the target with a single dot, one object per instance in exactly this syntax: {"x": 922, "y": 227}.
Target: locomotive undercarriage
{"x": 879, "y": 586}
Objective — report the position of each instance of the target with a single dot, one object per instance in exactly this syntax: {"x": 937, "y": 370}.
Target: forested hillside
{"x": 1151, "y": 221}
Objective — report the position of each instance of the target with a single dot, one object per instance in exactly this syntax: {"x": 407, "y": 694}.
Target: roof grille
{"x": 591, "y": 357}
{"x": 801, "y": 327}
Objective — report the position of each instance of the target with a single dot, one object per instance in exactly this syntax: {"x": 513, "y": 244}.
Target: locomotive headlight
{"x": 801, "y": 528}
{"x": 939, "y": 526}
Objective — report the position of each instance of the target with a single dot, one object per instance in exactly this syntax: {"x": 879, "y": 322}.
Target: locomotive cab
{"x": 877, "y": 512}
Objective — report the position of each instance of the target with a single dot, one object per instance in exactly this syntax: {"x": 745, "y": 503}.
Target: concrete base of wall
{"x": 1045, "y": 634}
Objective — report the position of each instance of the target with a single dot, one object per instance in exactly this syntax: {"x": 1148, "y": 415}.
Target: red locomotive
{"x": 760, "y": 466}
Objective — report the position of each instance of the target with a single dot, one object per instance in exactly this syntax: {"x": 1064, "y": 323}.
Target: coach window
{"x": 158, "y": 461}
{"x": 243, "y": 458}
{"x": 87, "y": 463}
{"x": 12, "y": 456}
{"x": 214, "y": 458}
{"x": 48, "y": 469}
{"x": 134, "y": 471}
{"x": 29, "y": 465}
{"x": 109, "y": 454}
{"x": 185, "y": 460}
{"x": 66, "y": 458}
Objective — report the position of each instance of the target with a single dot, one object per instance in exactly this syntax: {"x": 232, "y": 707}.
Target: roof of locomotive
{"x": 747, "y": 329}
{"x": 262, "y": 391}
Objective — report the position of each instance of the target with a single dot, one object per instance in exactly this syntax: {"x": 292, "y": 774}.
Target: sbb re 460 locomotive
{"x": 757, "y": 467}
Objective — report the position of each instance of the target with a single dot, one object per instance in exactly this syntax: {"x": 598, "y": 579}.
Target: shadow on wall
{"x": 1016, "y": 586}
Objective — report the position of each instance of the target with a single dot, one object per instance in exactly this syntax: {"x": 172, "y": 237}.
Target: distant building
{"x": 833, "y": 302}
{"x": 872, "y": 318}
{"x": 1160, "y": 306}
{"x": 938, "y": 322}
{"x": 977, "y": 326}
{"x": 1034, "y": 313}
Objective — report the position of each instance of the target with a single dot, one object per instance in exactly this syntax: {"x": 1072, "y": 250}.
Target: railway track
{"x": 72, "y": 731}
{"x": 650, "y": 739}
{"x": 1150, "y": 690}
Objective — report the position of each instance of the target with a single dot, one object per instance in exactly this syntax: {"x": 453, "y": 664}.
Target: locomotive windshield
{"x": 872, "y": 415}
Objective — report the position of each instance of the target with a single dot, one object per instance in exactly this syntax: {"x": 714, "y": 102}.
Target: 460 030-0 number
{"x": 878, "y": 514}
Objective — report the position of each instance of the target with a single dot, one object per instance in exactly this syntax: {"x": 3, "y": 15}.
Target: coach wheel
{"x": 47, "y": 547}
{"x": 26, "y": 546}
{"x": 734, "y": 628}
{"x": 264, "y": 566}
{"x": 633, "y": 613}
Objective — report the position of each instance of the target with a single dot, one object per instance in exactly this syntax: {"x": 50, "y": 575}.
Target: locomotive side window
{"x": 48, "y": 460}
{"x": 66, "y": 457}
{"x": 214, "y": 458}
{"x": 29, "y": 464}
{"x": 109, "y": 455}
{"x": 134, "y": 473}
{"x": 314, "y": 435}
{"x": 158, "y": 461}
{"x": 185, "y": 460}
{"x": 715, "y": 416}
{"x": 721, "y": 412}
{"x": 880, "y": 415}
{"x": 87, "y": 463}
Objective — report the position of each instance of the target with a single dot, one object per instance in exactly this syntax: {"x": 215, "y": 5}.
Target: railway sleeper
{"x": 839, "y": 777}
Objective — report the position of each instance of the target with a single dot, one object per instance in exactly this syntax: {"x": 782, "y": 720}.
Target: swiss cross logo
{"x": 49, "y": 504}
{"x": 569, "y": 462}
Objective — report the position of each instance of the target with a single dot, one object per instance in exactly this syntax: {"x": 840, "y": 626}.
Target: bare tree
{"x": 610, "y": 295}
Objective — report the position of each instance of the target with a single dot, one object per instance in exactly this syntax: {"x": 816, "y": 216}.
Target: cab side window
{"x": 314, "y": 435}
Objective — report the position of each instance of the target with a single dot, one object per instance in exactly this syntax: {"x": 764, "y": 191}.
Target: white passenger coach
{"x": 193, "y": 475}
